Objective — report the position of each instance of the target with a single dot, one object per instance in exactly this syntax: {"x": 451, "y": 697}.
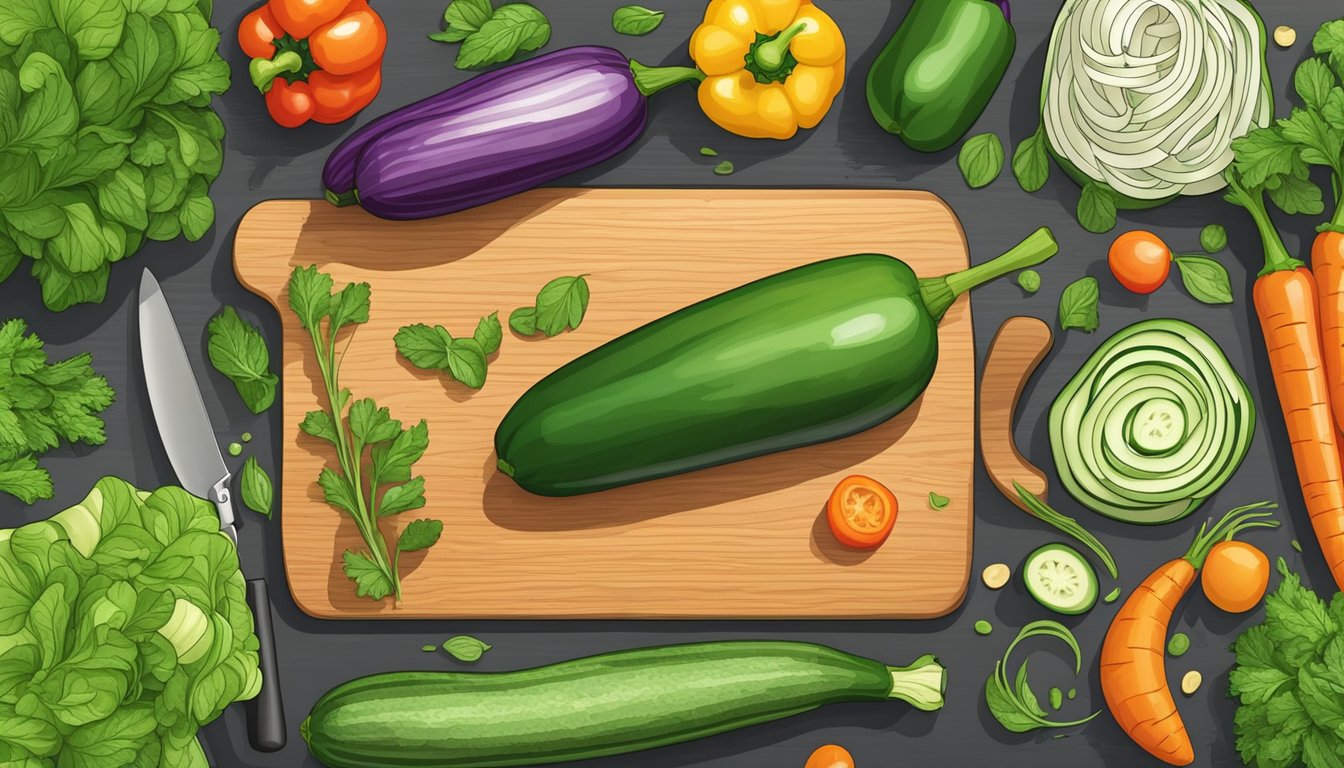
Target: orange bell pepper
{"x": 315, "y": 60}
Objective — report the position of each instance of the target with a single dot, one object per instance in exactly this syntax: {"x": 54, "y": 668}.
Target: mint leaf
{"x": 237, "y": 350}
{"x": 489, "y": 333}
{"x": 467, "y": 363}
{"x": 937, "y": 501}
{"x": 466, "y": 649}
{"x": 423, "y": 346}
{"x": 1031, "y": 162}
{"x": 463, "y": 17}
{"x": 561, "y": 304}
{"x": 513, "y": 29}
{"x": 981, "y": 160}
{"x": 1096, "y": 208}
{"x": 257, "y": 490}
{"x": 420, "y": 534}
{"x": 1213, "y": 238}
{"x": 370, "y": 580}
{"x": 635, "y": 20}
{"x": 1205, "y": 279}
{"x": 1078, "y": 305}
{"x": 523, "y": 321}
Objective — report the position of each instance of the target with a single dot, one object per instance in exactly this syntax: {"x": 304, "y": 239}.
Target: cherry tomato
{"x": 1235, "y": 576}
{"x": 300, "y": 17}
{"x": 339, "y": 97}
{"x": 290, "y": 105}
{"x": 257, "y": 31}
{"x": 351, "y": 43}
{"x": 1140, "y": 261}
{"x": 830, "y": 756}
{"x": 861, "y": 512}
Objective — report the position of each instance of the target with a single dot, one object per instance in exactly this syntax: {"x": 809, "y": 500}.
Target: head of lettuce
{"x": 123, "y": 629}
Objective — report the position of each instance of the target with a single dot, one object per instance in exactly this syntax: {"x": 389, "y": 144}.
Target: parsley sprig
{"x": 374, "y": 451}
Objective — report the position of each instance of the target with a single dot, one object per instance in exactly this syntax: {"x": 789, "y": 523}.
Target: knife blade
{"x": 189, "y": 440}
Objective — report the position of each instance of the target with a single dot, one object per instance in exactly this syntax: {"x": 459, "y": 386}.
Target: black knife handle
{"x": 265, "y": 713}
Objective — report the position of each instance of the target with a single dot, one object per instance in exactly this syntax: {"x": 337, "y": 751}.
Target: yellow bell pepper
{"x": 766, "y": 67}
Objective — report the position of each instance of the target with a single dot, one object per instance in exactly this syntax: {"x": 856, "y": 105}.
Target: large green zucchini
{"x": 813, "y": 354}
{"x": 602, "y": 705}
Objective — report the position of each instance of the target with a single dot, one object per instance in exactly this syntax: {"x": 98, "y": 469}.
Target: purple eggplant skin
{"x": 502, "y": 133}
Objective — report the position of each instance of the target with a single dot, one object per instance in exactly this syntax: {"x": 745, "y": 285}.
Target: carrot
{"x": 1133, "y": 659}
{"x": 1285, "y": 301}
{"x": 1327, "y": 266}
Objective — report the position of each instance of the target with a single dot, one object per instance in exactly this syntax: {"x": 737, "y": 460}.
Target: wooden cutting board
{"x": 743, "y": 540}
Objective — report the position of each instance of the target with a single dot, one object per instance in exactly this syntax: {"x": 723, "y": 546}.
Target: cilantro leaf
{"x": 513, "y": 29}
{"x": 1263, "y": 153}
{"x": 1329, "y": 42}
{"x": 420, "y": 534}
{"x": 370, "y": 580}
{"x": 257, "y": 490}
{"x": 1313, "y": 82}
{"x": 489, "y": 333}
{"x": 310, "y": 296}
{"x": 238, "y": 351}
{"x": 392, "y": 461}
{"x": 403, "y": 498}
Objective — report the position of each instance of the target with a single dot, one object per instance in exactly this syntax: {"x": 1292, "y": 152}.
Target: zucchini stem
{"x": 921, "y": 684}
{"x": 938, "y": 293}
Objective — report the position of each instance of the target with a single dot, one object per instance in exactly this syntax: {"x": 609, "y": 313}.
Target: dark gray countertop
{"x": 264, "y": 161}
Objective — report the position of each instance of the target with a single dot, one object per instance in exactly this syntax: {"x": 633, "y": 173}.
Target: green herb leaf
{"x": 423, "y": 346}
{"x": 1029, "y": 280}
{"x": 1294, "y": 195}
{"x": 1031, "y": 162}
{"x": 1313, "y": 82}
{"x": 561, "y": 304}
{"x": 1263, "y": 154}
{"x": 1096, "y": 208}
{"x": 523, "y": 321}
{"x": 429, "y": 648}
{"x": 1112, "y": 595}
{"x": 1329, "y": 41}
{"x": 724, "y": 168}
{"x": 370, "y": 580}
{"x": 1015, "y": 707}
{"x": 981, "y": 160}
{"x": 403, "y": 498}
{"x": 708, "y": 152}
{"x": 1213, "y": 238}
{"x": 310, "y": 296}
{"x": 1078, "y": 305}
{"x": 1205, "y": 279}
{"x": 256, "y": 487}
{"x": 635, "y": 20}
{"x": 513, "y": 29}
{"x": 937, "y": 501}
{"x": 463, "y": 18}
{"x": 237, "y": 350}
{"x": 489, "y": 333}
{"x": 1295, "y": 544}
{"x": 467, "y": 363}
{"x": 465, "y": 648}
{"x": 420, "y": 534}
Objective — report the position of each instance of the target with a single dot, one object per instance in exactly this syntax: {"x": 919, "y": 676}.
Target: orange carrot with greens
{"x": 1327, "y": 266}
{"x": 1285, "y": 301}
{"x": 1133, "y": 657}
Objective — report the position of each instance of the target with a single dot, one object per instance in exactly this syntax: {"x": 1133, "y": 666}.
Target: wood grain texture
{"x": 1019, "y": 346}
{"x": 744, "y": 540}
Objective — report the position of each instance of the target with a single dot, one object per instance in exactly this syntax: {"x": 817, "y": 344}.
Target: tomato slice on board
{"x": 861, "y": 512}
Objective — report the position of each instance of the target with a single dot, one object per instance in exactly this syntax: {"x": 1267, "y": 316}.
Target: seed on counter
{"x": 1191, "y": 682}
{"x": 1285, "y": 36}
{"x": 983, "y": 627}
{"x": 235, "y": 449}
{"x": 996, "y": 575}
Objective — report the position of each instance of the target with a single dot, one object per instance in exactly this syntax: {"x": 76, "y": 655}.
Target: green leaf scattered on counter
{"x": 464, "y": 359}
{"x": 492, "y": 35}
{"x": 42, "y": 404}
{"x": 1029, "y": 280}
{"x": 1178, "y": 644}
{"x": 1073, "y": 694}
{"x": 1056, "y": 698}
{"x": 257, "y": 490}
{"x": 375, "y": 453}
{"x": 1205, "y": 279}
{"x": 708, "y": 152}
{"x": 238, "y": 350}
{"x": 235, "y": 449}
{"x": 1078, "y": 305}
{"x": 1096, "y": 208}
{"x": 1297, "y": 545}
{"x": 247, "y": 437}
{"x": 1015, "y": 706}
{"x": 981, "y": 160}
{"x": 1112, "y": 595}
{"x": 561, "y": 304}
{"x": 724, "y": 169}
{"x": 1213, "y": 238}
{"x": 1031, "y": 162}
{"x": 429, "y": 648}
{"x": 938, "y": 501}
{"x": 465, "y": 648}
{"x": 635, "y": 20}
{"x": 983, "y": 627}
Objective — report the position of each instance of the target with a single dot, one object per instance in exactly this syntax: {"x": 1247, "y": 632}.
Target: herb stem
{"x": 1277, "y": 258}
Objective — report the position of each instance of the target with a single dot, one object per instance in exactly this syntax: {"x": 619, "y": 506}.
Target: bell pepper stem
{"x": 264, "y": 71}
{"x": 650, "y": 80}
{"x": 770, "y": 54}
{"x": 938, "y": 293}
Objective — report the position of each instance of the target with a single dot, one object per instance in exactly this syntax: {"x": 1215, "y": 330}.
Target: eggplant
{"x": 491, "y": 137}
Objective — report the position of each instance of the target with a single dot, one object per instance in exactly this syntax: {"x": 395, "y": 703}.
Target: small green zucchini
{"x": 610, "y": 704}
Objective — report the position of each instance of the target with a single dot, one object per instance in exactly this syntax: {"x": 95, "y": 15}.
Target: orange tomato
{"x": 1140, "y": 261}
{"x": 830, "y": 756}
{"x": 1235, "y": 576}
{"x": 861, "y": 512}
{"x": 351, "y": 43}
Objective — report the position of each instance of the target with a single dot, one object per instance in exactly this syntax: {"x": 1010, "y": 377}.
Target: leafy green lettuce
{"x": 123, "y": 629}
{"x": 1289, "y": 680}
{"x": 106, "y": 134}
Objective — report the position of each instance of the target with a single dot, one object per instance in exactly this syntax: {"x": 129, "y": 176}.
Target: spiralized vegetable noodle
{"x": 1147, "y": 95}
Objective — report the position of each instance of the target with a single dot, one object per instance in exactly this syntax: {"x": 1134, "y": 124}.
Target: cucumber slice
{"x": 1060, "y": 579}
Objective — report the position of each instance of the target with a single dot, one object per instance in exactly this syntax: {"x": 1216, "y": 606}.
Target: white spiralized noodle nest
{"x": 1147, "y": 95}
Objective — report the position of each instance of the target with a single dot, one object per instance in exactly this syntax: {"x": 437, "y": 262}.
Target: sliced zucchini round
{"x": 1060, "y": 579}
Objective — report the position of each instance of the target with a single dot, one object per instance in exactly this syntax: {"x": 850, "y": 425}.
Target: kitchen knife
{"x": 189, "y": 440}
